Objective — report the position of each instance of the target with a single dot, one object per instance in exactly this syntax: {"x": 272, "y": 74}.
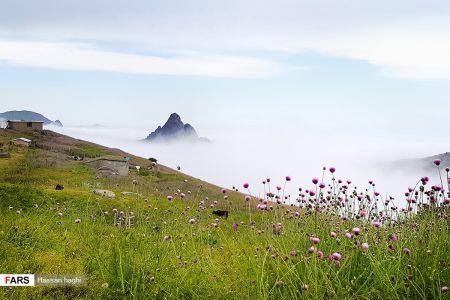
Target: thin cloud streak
{"x": 402, "y": 39}
{"x": 85, "y": 57}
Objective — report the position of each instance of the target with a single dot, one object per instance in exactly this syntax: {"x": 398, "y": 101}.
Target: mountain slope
{"x": 424, "y": 164}
{"x": 159, "y": 239}
{"x": 49, "y": 143}
{"x": 29, "y": 116}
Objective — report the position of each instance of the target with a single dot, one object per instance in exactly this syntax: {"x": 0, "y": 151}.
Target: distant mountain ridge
{"x": 174, "y": 129}
{"x": 424, "y": 164}
{"x": 27, "y": 115}
{"x": 443, "y": 157}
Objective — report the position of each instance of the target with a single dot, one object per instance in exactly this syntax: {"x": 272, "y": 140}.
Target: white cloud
{"x": 84, "y": 57}
{"x": 405, "y": 38}
{"x": 413, "y": 50}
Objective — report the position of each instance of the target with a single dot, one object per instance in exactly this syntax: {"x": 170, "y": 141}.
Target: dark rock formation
{"x": 174, "y": 129}
{"x": 57, "y": 123}
{"x": 221, "y": 213}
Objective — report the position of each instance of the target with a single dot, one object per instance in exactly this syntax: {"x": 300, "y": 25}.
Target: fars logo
{"x": 16, "y": 279}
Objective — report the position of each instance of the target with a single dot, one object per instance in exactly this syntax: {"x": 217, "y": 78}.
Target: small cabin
{"x": 23, "y": 125}
{"x": 22, "y": 142}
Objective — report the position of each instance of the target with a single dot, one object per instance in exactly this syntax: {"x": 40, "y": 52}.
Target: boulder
{"x": 105, "y": 193}
{"x": 221, "y": 213}
{"x": 4, "y": 155}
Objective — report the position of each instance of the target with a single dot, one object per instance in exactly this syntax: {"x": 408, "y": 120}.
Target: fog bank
{"x": 235, "y": 157}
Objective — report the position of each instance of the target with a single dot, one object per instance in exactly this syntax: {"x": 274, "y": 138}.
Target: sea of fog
{"x": 233, "y": 158}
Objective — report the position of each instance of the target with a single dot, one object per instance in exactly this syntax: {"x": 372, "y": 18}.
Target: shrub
{"x": 85, "y": 151}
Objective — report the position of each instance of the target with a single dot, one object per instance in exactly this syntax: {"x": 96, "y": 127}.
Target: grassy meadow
{"x": 165, "y": 243}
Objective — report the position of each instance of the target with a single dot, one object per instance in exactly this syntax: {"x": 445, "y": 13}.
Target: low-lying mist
{"x": 232, "y": 158}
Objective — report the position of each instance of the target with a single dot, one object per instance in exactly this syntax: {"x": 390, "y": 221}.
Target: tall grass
{"x": 209, "y": 258}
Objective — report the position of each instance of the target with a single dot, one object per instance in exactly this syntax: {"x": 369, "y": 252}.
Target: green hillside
{"x": 144, "y": 246}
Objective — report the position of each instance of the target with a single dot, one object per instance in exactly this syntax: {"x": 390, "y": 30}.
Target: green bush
{"x": 85, "y": 151}
{"x": 144, "y": 172}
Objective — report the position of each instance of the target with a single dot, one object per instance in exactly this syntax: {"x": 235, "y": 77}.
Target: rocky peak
{"x": 173, "y": 129}
{"x": 173, "y": 124}
{"x": 57, "y": 123}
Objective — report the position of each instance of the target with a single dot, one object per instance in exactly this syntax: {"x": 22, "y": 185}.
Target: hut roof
{"x": 109, "y": 158}
{"x": 24, "y": 121}
{"x": 22, "y": 139}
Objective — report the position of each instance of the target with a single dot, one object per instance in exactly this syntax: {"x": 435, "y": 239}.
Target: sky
{"x": 344, "y": 81}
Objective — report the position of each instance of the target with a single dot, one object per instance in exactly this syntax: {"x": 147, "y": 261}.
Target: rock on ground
{"x": 105, "y": 193}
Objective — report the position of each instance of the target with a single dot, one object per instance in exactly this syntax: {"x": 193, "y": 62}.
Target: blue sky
{"x": 332, "y": 94}
{"x": 282, "y": 87}
{"x": 346, "y": 66}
